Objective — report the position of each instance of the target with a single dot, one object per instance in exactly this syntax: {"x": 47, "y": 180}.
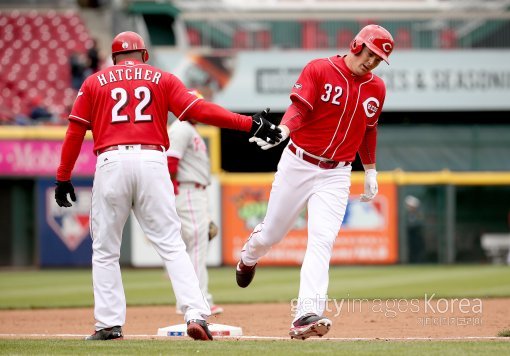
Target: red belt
{"x": 322, "y": 164}
{"x": 116, "y": 147}
{"x": 192, "y": 184}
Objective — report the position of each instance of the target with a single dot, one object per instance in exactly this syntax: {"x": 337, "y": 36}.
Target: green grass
{"x": 158, "y": 347}
{"x": 73, "y": 288}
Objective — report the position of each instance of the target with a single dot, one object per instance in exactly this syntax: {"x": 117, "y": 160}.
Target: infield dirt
{"x": 445, "y": 318}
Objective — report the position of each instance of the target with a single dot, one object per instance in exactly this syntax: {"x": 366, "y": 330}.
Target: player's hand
{"x": 371, "y": 187}
{"x": 264, "y": 129}
{"x": 213, "y": 230}
{"x": 266, "y": 145}
{"x": 61, "y": 191}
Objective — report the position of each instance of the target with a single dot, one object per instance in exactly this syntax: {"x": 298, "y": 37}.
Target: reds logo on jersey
{"x": 371, "y": 106}
{"x": 70, "y": 224}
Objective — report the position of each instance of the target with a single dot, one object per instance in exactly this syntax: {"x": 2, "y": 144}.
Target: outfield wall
{"x": 456, "y": 208}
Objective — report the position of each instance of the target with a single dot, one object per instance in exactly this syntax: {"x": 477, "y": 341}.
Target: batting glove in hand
{"x": 264, "y": 129}
{"x": 266, "y": 145}
{"x": 61, "y": 191}
{"x": 371, "y": 187}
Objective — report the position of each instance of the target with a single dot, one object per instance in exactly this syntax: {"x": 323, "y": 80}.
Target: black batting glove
{"x": 264, "y": 129}
{"x": 61, "y": 191}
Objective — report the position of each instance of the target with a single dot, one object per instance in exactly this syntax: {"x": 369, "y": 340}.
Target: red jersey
{"x": 128, "y": 103}
{"x": 341, "y": 107}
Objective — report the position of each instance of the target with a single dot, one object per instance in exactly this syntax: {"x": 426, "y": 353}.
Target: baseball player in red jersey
{"x": 126, "y": 108}
{"x": 336, "y": 103}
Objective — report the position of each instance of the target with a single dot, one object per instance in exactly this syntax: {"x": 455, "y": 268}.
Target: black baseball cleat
{"x": 113, "y": 333}
{"x": 244, "y": 274}
{"x": 198, "y": 330}
{"x": 309, "y": 325}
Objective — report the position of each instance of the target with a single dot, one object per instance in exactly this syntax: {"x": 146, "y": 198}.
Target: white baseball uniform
{"x": 193, "y": 176}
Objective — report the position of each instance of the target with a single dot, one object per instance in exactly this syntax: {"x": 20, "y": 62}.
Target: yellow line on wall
{"x": 212, "y": 134}
{"x": 398, "y": 177}
{"x": 35, "y": 133}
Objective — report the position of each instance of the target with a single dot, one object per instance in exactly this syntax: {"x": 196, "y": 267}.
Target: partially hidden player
{"x": 190, "y": 170}
{"x": 336, "y": 103}
{"x": 126, "y": 107}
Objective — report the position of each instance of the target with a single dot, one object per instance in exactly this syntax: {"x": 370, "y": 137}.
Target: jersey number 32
{"x": 329, "y": 95}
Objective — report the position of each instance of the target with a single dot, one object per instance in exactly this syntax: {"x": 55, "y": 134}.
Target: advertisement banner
{"x": 63, "y": 233}
{"x": 416, "y": 80}
{"x": 41, "y": 158}
{"x": 368, "y": 234}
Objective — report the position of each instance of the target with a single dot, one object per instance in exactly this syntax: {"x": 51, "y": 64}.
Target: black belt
{"x": 143, "y": 147}
{"x": 318, "y": 162}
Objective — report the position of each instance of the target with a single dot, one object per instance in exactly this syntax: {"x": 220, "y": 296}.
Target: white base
{"x": 215, "y": 329}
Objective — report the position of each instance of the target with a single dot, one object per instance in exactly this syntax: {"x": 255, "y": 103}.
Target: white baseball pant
{"x": 325, "y": 193}
{"x": 192, "y": 208}
{"x": 137, "y": 179}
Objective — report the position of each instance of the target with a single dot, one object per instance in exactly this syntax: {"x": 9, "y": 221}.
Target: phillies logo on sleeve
{"x": 71, "y": 225}
{"x": 371, "y": 106}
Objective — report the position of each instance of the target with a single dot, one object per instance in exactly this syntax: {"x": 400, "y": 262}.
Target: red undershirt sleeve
{"x": 366, "y": 150}
{"x": 212, "y": 114}
{"x": 173, "y": 164}
{"x": 294, "y": 116}
{"x": 70, "y": 149}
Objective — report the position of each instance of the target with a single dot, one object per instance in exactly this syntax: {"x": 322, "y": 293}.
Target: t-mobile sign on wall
{"x": 368, "y": 234}
{"x": 41, "y": 158}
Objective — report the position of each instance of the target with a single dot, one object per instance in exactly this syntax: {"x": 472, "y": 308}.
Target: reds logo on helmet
{"x": 376, "y": 38}
{"x": 129, "y": 41}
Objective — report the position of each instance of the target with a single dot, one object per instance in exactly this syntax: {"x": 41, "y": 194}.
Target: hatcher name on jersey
{"x": 118, "y": 75}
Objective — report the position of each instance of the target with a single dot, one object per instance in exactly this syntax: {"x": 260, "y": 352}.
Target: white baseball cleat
{"x": 309, "y": 325}
{"x": 216, "y": 309}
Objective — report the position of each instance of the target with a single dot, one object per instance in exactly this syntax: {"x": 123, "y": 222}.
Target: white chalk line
{"x": 144, "y": 336}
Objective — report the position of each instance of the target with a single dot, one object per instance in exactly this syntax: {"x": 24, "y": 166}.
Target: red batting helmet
{"x": 376, "y": 38}
{"x": 127, "y": 42}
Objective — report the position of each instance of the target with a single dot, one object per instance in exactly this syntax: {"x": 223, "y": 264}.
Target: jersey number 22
{"x": 121, "y": 96}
